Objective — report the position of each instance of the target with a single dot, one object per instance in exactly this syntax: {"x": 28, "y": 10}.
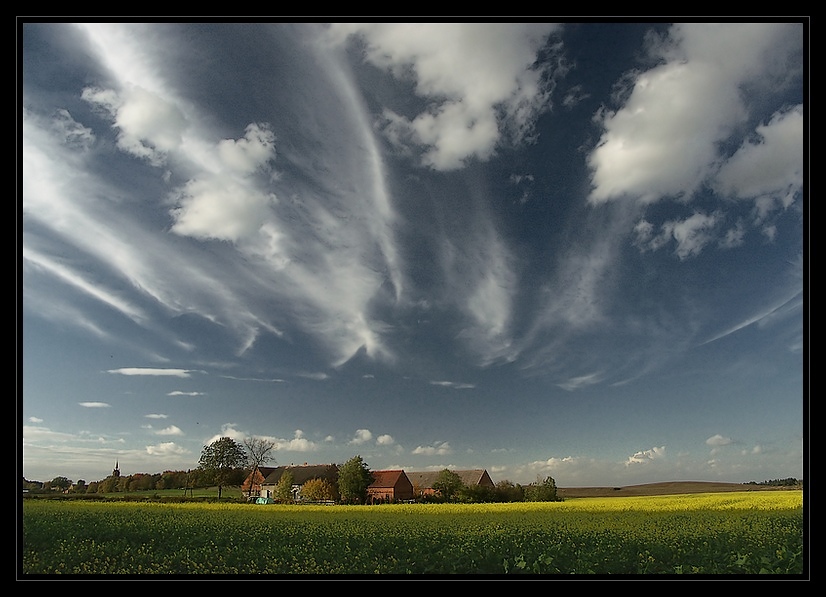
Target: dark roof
{"x": 302, "y": 474}
{"x": 390, "y": 478}
{"x": 426, "y": 479}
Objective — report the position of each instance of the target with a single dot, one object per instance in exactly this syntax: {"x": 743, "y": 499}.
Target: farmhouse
{"x": 301, "y": 474}
{"x": 423, "y": 481}
{"x": 389, "y": 486}
{"x": 252, "y": 484}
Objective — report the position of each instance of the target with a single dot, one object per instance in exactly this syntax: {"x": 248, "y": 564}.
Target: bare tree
{"x": 258, "y": 450}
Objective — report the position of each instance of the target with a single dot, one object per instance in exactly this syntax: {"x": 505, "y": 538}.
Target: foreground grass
{"x": 731, "y": 533}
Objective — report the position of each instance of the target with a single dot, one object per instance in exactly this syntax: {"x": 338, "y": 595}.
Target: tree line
{"x": 227, "y": 463}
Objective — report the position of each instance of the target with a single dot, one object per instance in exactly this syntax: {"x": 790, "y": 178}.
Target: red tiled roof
{"x": 386, "y": 478}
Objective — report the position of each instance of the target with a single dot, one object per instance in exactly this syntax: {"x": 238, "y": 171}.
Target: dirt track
{"x": 666, "y": 488}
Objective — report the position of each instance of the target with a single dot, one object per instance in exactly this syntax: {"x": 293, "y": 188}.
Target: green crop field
{"x": 740, "y": 533}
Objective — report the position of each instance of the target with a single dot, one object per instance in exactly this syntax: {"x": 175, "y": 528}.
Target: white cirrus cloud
{"x": 453, "y": 384}
{"x": 151, "y": 371}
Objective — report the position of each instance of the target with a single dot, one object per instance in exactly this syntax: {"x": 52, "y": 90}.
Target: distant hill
{"x": 666, "y": 488}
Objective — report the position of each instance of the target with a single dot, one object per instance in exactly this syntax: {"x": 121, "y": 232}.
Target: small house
{"x": 301, "y": 474}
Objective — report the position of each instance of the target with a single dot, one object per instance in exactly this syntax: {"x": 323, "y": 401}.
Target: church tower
{"x": 116, "y": 471}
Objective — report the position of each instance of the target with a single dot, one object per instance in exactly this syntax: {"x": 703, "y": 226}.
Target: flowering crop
{"x": 731, "y": 533}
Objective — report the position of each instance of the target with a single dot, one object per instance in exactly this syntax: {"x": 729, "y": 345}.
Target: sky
{"x": 567, "y": 249}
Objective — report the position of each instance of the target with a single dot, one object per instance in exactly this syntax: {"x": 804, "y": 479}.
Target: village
{"x": 394, "y": 485}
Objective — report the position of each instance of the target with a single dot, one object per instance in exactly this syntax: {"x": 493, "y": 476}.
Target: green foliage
{"x": 319, "y": 490}
{"x": 787, "y": 482}
{"x": 108, "y": 485}
{"x": 542, "y": 491}
{"x": 448, "y": 484}
{"x": 353, "y": 479}
{"x": 506, "y": 491}
{"x": 476, "y": 494}
{"x": 283, "y": 491}
{"x": 221, "y": 459}
{"x": 60, "y": 483}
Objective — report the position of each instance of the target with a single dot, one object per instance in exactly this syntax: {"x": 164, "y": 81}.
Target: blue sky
{"x": 569, "y": 249}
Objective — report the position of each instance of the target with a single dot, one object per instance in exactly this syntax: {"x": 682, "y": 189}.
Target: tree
{"x": 506, "y": 491}
{"x": 353, "y": 479}
{"x": 542, "y": 491}
{"x": 108, "y": 485}
{"x": 319, "y": 490}
{"x": 283, "y": 491}
{"x": 448, "y": 484}
{"x": 258, "y": 453}
{"x": 477, "y": 494}
{"x": 61, "y": 483}
{"x": 220, "y": 459}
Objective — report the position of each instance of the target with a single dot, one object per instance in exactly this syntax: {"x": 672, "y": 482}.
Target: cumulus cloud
{"x": 690, "y": 235}
{"x": 718, "y": 440}
{"x": 663, "y": 141}
{"x": 156, "y": 416}
{"x": 250, "y": 153}
{"x": 645, "y": 456}
{"x": 362, "y": 436}
{"x": 385, "y": 440}
{"x": 219, "y": 208}
{"x": 769, "y": 165}
{"x": 438, "y": 448}
{"x": 166, "y": 449}
{"x": 149, "y": 126}
{"x": 171, "y": 430}
{"x": 94, "y": 404}
{"x": 180, "y": 393}
{"x": 298, "y": 443}
{"x": 479, "y": 80}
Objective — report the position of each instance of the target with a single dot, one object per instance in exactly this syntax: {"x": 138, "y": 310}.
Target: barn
{"x": 423, "y": 481}
{"x": 389, "y": 486}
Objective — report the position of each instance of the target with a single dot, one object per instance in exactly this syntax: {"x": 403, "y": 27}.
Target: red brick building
{"x": 389, "y": 486}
